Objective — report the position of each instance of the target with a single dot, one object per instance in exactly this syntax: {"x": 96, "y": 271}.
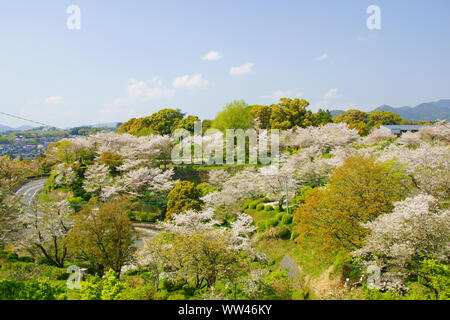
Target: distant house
{"x": 398, "y": 130}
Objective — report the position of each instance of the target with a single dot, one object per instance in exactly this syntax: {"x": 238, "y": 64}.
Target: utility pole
{"x": 287, "y": 199}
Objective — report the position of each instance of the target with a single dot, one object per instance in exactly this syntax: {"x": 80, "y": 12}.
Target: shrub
{"x": 144, "y": 216}
{"x": 176, "y": 296}
{"x": 253, "y": 204}
{"x": 268, "y": 208}
{"x": 184, "y": 196}
{"x": 261, "y": 226}
{"x": 137, "y": 292}
{"x": 161, "y": 295}
{"x": 294, "y": 235}
{"x": 272, "y": 223}
{"x": 284, "y": 233}
{"x": 286, "y": 219}
{"x": 276, "y": 207}
{"x": 260, "y": 207}
{"x": 41, "y": 289}
{"x": 280, "y": 215}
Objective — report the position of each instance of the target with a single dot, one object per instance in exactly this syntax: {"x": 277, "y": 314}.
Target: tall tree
{"x": 357, "y": 192}
{"x": 104, "y": 235}
{"x": 235, "y": 115}
{"x": 289, "y": 113}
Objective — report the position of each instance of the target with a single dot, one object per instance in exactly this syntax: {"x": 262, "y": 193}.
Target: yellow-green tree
{"x": 289, "y": 113}
{"x": 263, "y": 114}
{"x": 162, "y": 122}
{"x": 377, "y": 118}
{"x": 235, "y": 115}
{"x": 358, "y": 191}
{"x": 111, "y": 159}
{"x": 355, "y": 119}
{"x": 103, "y": 235}
{"x": 185, "y": 195}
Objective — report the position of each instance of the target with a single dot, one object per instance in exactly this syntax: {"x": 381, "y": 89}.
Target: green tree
{"x": 111, "y": 160}
{"x": 188, "y": 123}
{"x": 185, "y": 195}
{"x": 289, "y": 113}
{"x": 162, "y": 122}
{"x": 263, "y": 114}
{"x": 235, "y": 115}
{"x": 355, "y": 119}
{"x": 377, "y": 118}
{"x": 357, "y": 192}
{"x": 103, "y": 235}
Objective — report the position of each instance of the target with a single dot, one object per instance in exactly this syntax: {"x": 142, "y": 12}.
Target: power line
{"x": 32, "y": 121}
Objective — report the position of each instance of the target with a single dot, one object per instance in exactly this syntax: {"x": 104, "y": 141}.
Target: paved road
{"x": 30, "y": 190}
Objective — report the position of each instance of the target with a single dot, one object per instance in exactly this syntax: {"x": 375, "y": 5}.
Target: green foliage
{"x": 358, "y": 191}
{"x": 37, "y": 289}
{"x": 272, "y": 223}
{"x": 112, "y": 286}
{"x": 20, "y": 269}
{"x": 144, "y": 216}
{"x": 111, "y": 160}
{"x": 260, "y": 207}
{"x": 164, "y": 121}
{"x": 137, "y": 292}
{"x": 365, "y": 122}
{"x": 280, "y": 286}
{"x": 284, "y": 233}
{"x": 286, "y": 219}
{"x": 91, "y": 288}
{"x": 435, "y": 277}
{"x": 268, "y": 208}
{"x": 261, "y": 226}
{"x": 235, "y": 115}
{"x": 204, "y": 189}
{"x": 254, "y": 203}
{"x": 290, "y": 113}
{"x": 184, "y": 196}
{"x": 188, "y": 123}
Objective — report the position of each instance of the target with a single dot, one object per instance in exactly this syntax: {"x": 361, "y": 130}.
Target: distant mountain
{"x": 430, "y": 111}
{"x": 102, "y": 125}
{"x": 335, "y": 113}
{"x": 21, "y": 128}
{"x": 5, "y": 128}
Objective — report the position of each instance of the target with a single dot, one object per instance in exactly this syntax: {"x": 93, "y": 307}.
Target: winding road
{"x": 29, "y": 191}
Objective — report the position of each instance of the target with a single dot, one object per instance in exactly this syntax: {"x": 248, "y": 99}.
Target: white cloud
{"x": 244, "y": 69}
{"x": 212, "y": 56}
{"x": 196, "y": 80}
{"x": 144, "y": 91}
{"x": 53, "y": 100}
{"x": 331, "y": 94}
{"x": 323, "y": 57}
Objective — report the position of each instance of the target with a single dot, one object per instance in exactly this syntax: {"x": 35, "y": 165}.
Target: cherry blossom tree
{"x": 45, "y": 229}
{"x": 96, "y": 178}
{"x": 416, "y": 228}
{"x": 64, "y": 175}
{"x": 376, "y": 135}
{"x": 438, "y": 132}
{"x": 427, "y": 165}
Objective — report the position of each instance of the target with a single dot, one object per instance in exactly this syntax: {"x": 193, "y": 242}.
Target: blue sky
{"x": 131, "y": 58}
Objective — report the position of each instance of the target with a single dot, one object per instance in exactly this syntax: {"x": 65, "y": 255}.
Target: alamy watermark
{"x": 235, "y": 146}
{"x": 374, "y": 20}
{"x": 74, "y": 20}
